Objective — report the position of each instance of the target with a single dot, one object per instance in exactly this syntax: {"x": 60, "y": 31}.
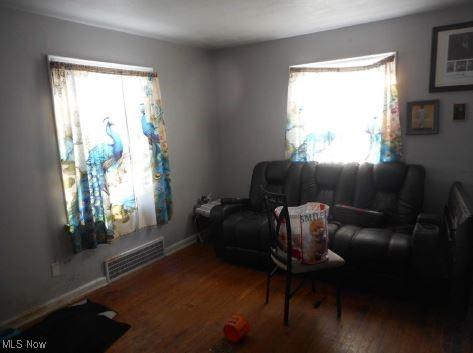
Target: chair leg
{"x": 287, "y": 298}
{"x": 268, "y": 282}
{"x": 339, "y": 301}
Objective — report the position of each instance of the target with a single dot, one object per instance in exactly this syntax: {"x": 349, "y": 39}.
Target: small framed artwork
{"x": 423, "y": 117}
{"x": 451, "y": 66}
{"x": 459, "y": 112}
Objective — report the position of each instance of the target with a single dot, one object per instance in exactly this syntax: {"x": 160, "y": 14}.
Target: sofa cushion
{"x": 374, "y": 249}
{"x": 341, "y": 241}
{"x": 332, "y": 229}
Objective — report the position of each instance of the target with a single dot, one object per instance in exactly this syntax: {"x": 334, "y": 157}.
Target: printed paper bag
{"x": 309, "y": 232}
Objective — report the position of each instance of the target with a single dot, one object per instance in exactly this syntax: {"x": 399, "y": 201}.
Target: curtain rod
{"x": 99, "y": 66}
{"x": 381, "y": 62}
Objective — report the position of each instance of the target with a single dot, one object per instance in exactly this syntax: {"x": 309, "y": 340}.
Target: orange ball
{"x": 236, "y": 328}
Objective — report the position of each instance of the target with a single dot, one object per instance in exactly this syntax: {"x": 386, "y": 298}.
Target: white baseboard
{"x": 77, "y": 293}
{"x": 168, "y": 250}
{"x": 54, "y": 304}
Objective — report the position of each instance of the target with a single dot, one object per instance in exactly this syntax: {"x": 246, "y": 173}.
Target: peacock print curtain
{"x": 344, "y": 114}
{"x": 113, "y": 151}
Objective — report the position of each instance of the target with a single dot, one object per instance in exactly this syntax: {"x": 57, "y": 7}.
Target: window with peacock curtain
{"x": 344, "y": 111}
{"x": 113, "y": 150}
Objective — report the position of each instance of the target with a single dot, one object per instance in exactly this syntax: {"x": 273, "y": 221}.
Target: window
{"x": 113, "y": 150}
{"x": 344, "y": 111}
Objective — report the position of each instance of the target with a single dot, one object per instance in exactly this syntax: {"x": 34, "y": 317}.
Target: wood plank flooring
{"x": 179, "y": 304}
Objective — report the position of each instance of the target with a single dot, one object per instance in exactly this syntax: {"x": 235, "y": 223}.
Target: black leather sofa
{"x": 381, "y": 232}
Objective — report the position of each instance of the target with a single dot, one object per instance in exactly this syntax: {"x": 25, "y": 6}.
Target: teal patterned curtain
{"x": 344, "y": 114}
{"x": 113, "y": 151}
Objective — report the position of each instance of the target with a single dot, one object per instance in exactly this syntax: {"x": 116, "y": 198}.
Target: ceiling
{"x": 221, "y": 23}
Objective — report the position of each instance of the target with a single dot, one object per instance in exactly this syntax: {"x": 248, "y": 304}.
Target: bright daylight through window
{"x": 344, "y": 111}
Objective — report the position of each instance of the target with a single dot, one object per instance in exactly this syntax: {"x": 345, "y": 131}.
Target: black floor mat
{"x": 75, "y": 329}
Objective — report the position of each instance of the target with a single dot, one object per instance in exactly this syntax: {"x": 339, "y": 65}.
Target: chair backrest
{"x": 277, "y": 222}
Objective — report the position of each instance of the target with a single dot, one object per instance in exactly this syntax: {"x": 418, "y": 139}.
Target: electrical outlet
{"x": 55, "y": 269}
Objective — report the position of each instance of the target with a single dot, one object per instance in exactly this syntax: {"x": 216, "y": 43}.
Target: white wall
{"x": 252, "y": 92}
{"x": 31, "y": 204}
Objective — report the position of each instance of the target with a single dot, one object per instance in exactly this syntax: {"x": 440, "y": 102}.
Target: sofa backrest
{"x": 276, "y": 176}
{"x": 328, "y": 183}
{"x": 397, "y": 189}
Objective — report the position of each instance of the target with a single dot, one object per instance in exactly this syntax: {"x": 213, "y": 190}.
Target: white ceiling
{"x": 218, "y": 23}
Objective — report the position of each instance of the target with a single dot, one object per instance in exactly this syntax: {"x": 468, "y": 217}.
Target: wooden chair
{"x": 283, "y": 262}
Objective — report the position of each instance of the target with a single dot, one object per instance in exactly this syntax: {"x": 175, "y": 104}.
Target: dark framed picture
{"x": 451, "y": 66}
{"x": 423, "y": 117}
{"x": 459, "y": 112}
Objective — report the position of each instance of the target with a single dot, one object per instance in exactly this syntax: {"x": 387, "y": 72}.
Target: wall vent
{"x": 134, "y": 259}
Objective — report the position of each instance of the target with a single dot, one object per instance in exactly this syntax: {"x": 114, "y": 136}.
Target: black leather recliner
{"x": 373, "y": 216}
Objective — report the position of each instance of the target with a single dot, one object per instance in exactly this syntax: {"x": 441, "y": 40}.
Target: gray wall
{"x": 252, "y": 91}
{"x": 32, "y": 206}
{"x": 244, "y": 121}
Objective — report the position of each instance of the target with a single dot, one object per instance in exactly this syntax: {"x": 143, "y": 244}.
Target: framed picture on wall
{"x": 459, "y": 112}
{"x": 451, "y": 66}
{"x": 423, "y": 117}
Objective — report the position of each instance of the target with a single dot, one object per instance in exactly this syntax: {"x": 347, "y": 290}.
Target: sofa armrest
{"x": 429, "y": 218}
{"x": 358, "y": 216}
{"x": 426, "y": 255}
{"x": 217, "y": 215}
{"x": 220, "y": 212}
{"x": 234, "y": 201}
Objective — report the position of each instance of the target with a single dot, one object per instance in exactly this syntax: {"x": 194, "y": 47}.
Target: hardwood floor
{"x": 180, "y": 304}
